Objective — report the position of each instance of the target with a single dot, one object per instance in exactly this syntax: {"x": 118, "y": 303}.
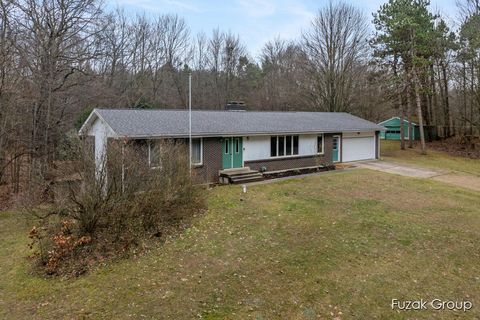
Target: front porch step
{"x": 246, "y": 178}
{"x": 234, "y": 171}
{"x": 240, "y": 175}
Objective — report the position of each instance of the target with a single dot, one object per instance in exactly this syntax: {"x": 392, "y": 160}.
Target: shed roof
{"x": 395, "y": 121}
{"x": 141, "y": 123}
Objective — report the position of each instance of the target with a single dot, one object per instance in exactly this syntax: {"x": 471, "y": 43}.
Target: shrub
{"x": 112, "y": 211}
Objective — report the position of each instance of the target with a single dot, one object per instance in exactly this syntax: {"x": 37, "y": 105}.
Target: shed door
{"x": 361, "y": 148}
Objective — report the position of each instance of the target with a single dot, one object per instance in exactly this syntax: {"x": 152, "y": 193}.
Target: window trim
{"x": 284, "y": 146}
{"x": 198, "y": 164}
{"x": 323, "y": 143}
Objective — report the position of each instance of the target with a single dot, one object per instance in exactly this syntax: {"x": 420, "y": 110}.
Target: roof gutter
{"x": 211, "y": 135}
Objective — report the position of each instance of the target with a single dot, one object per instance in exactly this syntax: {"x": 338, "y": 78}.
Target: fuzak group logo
{"x": 434, "y": 304}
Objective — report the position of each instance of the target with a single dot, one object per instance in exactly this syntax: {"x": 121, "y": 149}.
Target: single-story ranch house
{"x": 257, "y": 140}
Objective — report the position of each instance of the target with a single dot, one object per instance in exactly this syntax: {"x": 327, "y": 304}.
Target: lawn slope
{"x": 335, "y": 245}
{"x": 390, "y": 150}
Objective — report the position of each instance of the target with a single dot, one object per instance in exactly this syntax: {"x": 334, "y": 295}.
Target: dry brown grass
{"x": 320, "y": 247}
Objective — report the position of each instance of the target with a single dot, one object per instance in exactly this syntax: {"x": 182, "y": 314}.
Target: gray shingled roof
{"x": 140, "y": 123}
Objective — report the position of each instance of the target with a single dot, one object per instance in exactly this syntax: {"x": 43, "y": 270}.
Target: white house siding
{"x": 258, "y": 147}
{"x": 307, "y": 145}
{"x": 100, "y": 132}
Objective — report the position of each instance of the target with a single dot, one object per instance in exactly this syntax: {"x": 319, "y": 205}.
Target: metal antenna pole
{"x": 190, "y": 119}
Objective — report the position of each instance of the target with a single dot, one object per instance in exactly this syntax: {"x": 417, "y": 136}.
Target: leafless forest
{"x": 61, "y": 58}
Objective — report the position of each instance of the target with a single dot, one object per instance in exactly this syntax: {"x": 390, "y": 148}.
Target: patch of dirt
{"x": 460, "y": 180}
{"x": 340, "y": 166}
{"x": 467, "y": 147}
{"x": 295, "y": 172}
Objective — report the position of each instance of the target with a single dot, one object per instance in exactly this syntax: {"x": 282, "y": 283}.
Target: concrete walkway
{"x": 455, "y": 178}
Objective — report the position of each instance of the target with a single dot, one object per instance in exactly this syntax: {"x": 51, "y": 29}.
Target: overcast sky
{"x": 256, "y": 21}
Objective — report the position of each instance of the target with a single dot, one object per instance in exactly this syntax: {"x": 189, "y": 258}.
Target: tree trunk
{"x": 472, "y": 93}
{"x": 402, "y": 123}
{"x": 447, "y": 116}
{"x": 434, "y": 96}
{"x": 400, "y": 105}
{"x": 409, "y": 108}
{"x": 464, "y": 97}
{"x": 419, "y": 110}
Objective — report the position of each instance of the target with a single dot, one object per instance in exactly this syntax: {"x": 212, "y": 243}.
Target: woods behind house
{"x": 60, "y": 59}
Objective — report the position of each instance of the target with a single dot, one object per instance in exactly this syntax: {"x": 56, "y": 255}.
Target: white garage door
{"x": 361, "y": 148}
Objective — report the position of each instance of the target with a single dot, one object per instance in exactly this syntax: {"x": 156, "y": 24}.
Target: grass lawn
{"x": 339, "y": 245}
{"x": 390, "y": 150}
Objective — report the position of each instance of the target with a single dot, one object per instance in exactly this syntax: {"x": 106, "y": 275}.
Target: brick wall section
{"x": 212, "y": 158}
{"x": 273, "y": 164}
{"x": 212, "y": 161}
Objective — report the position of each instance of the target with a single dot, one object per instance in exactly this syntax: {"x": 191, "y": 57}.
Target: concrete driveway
{"x": 401, "y": 169}
{"x": 455, "y": 178}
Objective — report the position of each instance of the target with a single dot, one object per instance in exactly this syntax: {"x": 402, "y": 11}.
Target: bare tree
{"x": 11, "y": 145}
{"x": 214, "y": 58}
{"x": 114, "y": 41}
{"x": 53, "y": 41}
{"x": 467, "y": 8}
{"x": 280, "y": 62}
{"x": 177, "y": 52}
{"x": 232, "y": 51}
{"x": 336, "y": 47}
{"x": 201, "y": 75}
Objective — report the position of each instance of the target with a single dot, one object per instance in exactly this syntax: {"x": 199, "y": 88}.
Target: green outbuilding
{"x": 393, "y": 129}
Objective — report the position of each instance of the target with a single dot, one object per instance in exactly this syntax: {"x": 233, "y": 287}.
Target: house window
{"x": 227, "y": 144}
{"x": 237, "y": 145}
{"x": 295, "y": 144}
{"x": 393, "y": 131}
{"x": 288, "y": 145}
{"x": 197, "y": 151}
{"x": 154, "y": 156}
{"x": 320, "y": 144}
{"x": 273, "y": 146}
{"x": 155, "y": 149}
{"x": 283, "y": 146}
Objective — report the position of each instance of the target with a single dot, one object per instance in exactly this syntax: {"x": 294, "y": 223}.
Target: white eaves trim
{"x": 90, "y": 121}
{"x": 404, "y": 120}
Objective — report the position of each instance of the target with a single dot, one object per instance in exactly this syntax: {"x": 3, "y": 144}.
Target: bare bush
{"x": 106, "y": 214}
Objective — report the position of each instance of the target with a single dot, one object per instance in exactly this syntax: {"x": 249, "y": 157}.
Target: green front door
{"x": 232, "y": 153}
{"x": 335, "y": 148}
